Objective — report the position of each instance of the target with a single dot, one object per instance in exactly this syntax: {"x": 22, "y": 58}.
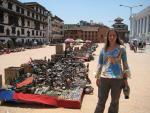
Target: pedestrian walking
{"x": 112, "y": 73}
{"x": 135, "y": 45}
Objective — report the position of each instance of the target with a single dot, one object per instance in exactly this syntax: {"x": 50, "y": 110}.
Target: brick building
{"x": 93, "y": 33}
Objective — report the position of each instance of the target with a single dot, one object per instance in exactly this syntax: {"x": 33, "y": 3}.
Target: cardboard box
{"x": 11, "y": 73}
{"x": 59, "y": 49}
{"x": 27, "y": 68}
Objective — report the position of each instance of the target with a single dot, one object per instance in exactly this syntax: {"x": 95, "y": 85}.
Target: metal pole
{"x": 131, "y": 11}
{"x": 131, "y": 19}
{"x": 131, "y": 22}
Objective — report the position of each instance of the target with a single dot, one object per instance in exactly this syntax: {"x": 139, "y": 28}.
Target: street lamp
{"x": 131, "y": 7}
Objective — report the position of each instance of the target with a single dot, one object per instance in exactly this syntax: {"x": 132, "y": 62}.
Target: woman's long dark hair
{"x": 118, "y": 41}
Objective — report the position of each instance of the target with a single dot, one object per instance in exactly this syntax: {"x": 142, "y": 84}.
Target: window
{"x": 36, "y": 33}
{"x": 37, "y": 25}
{"x": 28, "y": 23}
{"x": 32, "y": 15}
{"x": 36, "y": 8}
{"x": 1, "y": 29}
{"x": 13, "y": 30}
{"x": 28, "y": 33}
{"x": 13, "y": 20}
{"x": 32, "y": 32}
{"x": 22, "y": 40}
{"x": 22, "y": 11}
{"x": 22, "y": 21}
{"x": 7, "y": 32}
{"x": 61, "y": 33}
{"x": 37, "y": 16}
{"x": 22, "y": 31}
{"x": 18, "y": 33}
{"x": 28, "y": 13}
{"x": 40, "y": 33}
{"x": 1, "y": 17}
{"x": 18, "y": 9}
{"x": 10, "y": 5}
{"x": 1, "y": 2}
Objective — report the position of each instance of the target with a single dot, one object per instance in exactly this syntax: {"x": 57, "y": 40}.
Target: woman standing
{"x": 112, "y": 72}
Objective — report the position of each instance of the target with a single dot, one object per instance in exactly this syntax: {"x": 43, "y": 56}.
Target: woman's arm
{"x": 126, "y": 70}
{"x": 100, "y": 65}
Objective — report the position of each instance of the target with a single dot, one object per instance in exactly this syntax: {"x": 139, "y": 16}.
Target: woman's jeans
{"x": 106, "y": 85}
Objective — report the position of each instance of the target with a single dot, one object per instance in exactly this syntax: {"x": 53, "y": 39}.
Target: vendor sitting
{"x": 68, "y": 49}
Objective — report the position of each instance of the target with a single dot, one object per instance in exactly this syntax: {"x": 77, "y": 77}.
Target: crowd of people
{"x": 16, "y": 46}
{"x": 136, "y": 45}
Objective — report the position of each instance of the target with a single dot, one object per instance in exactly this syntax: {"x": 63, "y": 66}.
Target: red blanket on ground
{"x": 44, "y": 99}
{"x": 48, "y": 100}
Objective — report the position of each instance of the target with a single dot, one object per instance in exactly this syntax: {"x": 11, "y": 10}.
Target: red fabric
{"x": 48, "y": 100}
{"x": 74, "y": 104}
{"x": 25, "y": 82}
{"x": 44, "y": 99}
{"x": 69, "y": 104}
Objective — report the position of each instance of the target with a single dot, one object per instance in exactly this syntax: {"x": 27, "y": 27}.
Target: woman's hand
{"x": 126, "y": 82}
{"x": 98, "y": 82}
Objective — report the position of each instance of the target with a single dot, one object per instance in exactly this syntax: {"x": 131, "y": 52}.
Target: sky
{"x": 100, "y": 11}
